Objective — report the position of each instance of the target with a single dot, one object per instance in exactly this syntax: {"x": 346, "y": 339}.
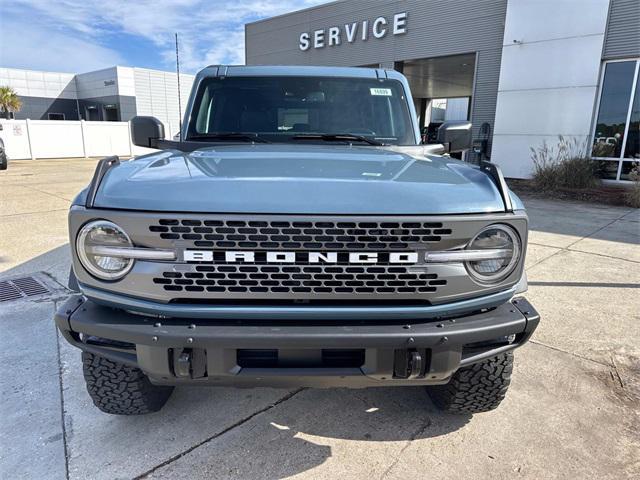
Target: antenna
{"x": 179, "y": 99}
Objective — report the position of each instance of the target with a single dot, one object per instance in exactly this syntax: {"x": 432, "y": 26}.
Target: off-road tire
{"x": 477, "y": 388}
{"x": 119, "y": 389}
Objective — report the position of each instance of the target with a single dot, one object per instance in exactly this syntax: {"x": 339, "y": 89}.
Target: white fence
{"x": 31, "y": 139}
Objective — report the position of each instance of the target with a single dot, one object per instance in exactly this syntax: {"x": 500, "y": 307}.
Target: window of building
{"x": 616, "y": 136}
{"x": 111, "y": 113}
{"x": 93, "y": 115}
{"x": 55, "y": 116}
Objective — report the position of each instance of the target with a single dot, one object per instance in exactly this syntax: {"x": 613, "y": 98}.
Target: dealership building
{"x": 523, "y": 71}
{"x": 113, "y": 94}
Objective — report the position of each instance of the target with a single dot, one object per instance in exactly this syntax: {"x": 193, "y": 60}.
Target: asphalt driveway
{"x": 573, "y": 410}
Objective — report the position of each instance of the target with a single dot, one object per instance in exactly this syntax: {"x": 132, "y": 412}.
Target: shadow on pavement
{"x": 371, "y": 414}
{"x": 297, "y": 435}
{"x": 583, "y": 219}
{"x": 56, "y": 263}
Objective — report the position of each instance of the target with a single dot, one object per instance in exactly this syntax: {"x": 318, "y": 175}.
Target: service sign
{"x": 355, "y": 31}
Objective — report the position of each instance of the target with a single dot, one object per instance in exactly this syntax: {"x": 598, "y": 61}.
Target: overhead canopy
{"x": 441, "y": 77}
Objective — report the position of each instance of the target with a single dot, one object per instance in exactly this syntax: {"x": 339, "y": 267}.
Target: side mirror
{"x": 146, "y": 131}
{"x": 455, "y": 136}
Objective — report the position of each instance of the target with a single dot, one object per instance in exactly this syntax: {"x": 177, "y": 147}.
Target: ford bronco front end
{"x": 297, "y": 235}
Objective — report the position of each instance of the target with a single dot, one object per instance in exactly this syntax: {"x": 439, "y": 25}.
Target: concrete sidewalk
{"x": 573, "y": 410}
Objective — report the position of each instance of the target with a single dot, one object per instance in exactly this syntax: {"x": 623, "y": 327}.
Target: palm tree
{"x": 9, "y": 101}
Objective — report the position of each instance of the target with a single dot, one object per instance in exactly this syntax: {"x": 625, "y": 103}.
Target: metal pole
{"x": 179, "y": 99}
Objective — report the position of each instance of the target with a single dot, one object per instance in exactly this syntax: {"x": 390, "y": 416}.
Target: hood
{"x": 299, "y": 179}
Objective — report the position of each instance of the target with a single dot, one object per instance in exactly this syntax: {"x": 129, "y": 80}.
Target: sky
{"x": 78, "y": 36}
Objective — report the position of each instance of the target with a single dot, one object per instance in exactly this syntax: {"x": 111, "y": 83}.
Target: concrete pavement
{"x": 573, "y": 410}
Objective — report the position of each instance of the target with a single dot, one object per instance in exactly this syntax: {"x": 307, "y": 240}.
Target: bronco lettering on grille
{"x": 238, "y": 256}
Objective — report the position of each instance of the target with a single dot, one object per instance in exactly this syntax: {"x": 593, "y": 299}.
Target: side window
{"x": 204, "y": 111}
{"x": 614, "y": 105}
{"x": 616, "y": 136}
{"x": 632, "y": 149}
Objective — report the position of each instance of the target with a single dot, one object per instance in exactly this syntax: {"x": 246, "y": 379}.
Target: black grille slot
{"x": 255, "y": 358}
{"x": 285, "y": 279}
{"x": 342, "y": 357}
{"x": 309, "y": 358}
{"x": 288, "y": 235}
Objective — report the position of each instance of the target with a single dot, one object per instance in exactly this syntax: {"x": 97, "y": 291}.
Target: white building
{"x": 112, "y": 94}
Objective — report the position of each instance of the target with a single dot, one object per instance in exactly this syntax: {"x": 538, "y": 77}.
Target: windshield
{"x": 291, "y": 109}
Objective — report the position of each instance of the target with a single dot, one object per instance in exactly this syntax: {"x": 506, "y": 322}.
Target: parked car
{"x": 4, "y": 161}
{"x": 300, "y": 235}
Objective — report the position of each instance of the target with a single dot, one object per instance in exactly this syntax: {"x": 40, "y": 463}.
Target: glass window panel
{"x": 614, "y": 106}
{"x": 280, "y": 108}
{"x": 608, "y": 169}
{"x": 632, "y": 149}
{"x": 626, "y": 170}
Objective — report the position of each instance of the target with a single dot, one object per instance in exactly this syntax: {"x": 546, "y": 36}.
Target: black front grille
{"x": 300, "y": 235}
{"x": 292, "y": 279}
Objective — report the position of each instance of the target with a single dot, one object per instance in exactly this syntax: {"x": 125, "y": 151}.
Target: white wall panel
{"x": 55, "y": 139}
{"x": 106, "y": 138}
{"x": 536, "y": 20}
{"x": 64, "y": 139}
{"x": 514, "y": 151}
{"x": 157, "y": 95}
{"x": 548, "y": 79}
{"x": 14, "y": 136}
{"x": 126, "y": 81}
{"x": 34, "y": 75}
{"x": 31, "y": 83}
{"x": 569, "y": 62}
{"x": 549, "y": 111}
{"x": 38, "y": 91}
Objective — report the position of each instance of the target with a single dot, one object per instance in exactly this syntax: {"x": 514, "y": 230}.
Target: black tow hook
{"x": 410, "y": 364}
{"x": 190, "y": 363}
{"x": 183, "y": 364}
{"x": 416, "y": 365}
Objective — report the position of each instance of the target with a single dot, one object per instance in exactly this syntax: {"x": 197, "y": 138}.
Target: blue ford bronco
{"x": 297, "y": 234}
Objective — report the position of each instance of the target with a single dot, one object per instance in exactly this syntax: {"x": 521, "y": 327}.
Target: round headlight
{"x": 504, "y": 244}
{"x": 101, "y": 233}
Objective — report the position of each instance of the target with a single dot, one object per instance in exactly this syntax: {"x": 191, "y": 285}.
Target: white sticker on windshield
{"x": 384, "y": 92}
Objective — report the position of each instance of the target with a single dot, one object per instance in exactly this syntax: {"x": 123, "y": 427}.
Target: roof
{"x": 297, "y": 70}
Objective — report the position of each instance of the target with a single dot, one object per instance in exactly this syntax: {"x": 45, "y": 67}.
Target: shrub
{"x": 633, "y": 195}
{"x": 567, "y": 165}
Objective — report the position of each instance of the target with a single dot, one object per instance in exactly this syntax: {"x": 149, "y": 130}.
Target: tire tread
{"x": 477, "y": 388}
{"x": 120, "y": 389}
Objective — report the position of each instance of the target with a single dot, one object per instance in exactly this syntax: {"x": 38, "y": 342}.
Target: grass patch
{"x": 633, "y": 195}
{"x": 565, "y": 165}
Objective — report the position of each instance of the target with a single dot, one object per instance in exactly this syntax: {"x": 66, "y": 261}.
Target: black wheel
{"x": 119, "y": 389}
{"x": 477, "y": 388}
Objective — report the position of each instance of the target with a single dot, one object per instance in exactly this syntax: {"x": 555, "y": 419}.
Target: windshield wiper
{"x": 248, "y": 136}
{"x": 336, "y": 137}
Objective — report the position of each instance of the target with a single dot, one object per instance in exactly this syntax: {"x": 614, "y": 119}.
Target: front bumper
{"x": 289, "y": 353}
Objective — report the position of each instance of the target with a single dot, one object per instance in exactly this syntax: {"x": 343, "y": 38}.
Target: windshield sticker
{"x": 383, "y": 92}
